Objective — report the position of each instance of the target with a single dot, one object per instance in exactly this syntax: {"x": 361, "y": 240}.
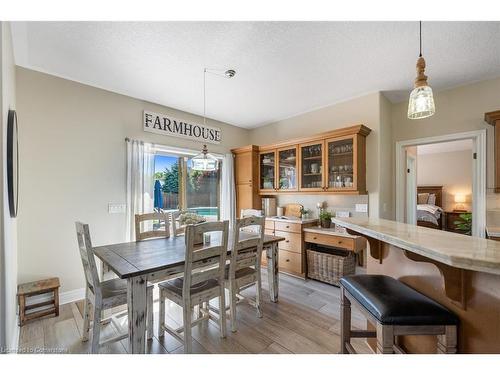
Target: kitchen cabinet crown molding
{"x": 492, "y": 117}
{"x": 356, "y": 129}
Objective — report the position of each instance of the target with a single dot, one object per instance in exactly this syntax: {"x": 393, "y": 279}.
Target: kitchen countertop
{"x": 292, "y": 220}
{"x": 456, "y": 250}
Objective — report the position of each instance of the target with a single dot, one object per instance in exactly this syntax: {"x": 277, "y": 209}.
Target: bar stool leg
{"x": 345, "y": 319}
{"x": 385, "y": 339}
{"x": 447, "y": 343}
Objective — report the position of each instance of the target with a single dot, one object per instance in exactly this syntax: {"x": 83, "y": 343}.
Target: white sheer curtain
{"x": 228, "y": 190}
{"x": 140, "y": 187}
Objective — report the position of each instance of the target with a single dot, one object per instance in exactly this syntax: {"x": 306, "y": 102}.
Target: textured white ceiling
{"x": 436, "y": 148}
{"x": 283, "y": 68}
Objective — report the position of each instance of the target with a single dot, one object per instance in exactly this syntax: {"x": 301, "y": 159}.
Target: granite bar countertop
{"x": 453, "y": 249}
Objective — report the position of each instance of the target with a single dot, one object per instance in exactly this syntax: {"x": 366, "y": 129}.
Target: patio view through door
{"x": 183, "y": 188}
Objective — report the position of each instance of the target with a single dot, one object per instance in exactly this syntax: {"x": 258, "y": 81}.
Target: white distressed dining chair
{"x": 163, "y": 232}
{"x": 103, "y": 295}
{"x": 248, "y": 212}
{"x": 177, "y": 229}
{"x": 203, "y": 280}
{"x": 243, "y": 270}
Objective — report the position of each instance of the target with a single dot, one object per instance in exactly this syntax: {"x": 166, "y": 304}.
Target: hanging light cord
{"x": 420, "y": 55}
{"x": 204, "y": 96}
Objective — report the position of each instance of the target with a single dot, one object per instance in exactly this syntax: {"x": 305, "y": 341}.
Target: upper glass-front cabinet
{"x": 341, "y": 164}
{"x": 311, "y": 166}
{"x": 267, "y": 162}
{"x": 287, "y": 169}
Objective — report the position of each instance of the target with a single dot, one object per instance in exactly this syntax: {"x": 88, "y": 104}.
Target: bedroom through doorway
{"x": 441, "y": 183}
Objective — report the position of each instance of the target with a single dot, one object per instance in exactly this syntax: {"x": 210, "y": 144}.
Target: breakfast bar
{"x": 460, "y": 272}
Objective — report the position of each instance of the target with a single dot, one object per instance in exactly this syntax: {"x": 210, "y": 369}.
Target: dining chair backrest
{"x": 247, "y": 244}
{"x": 87, "y": 256}
{"x": 177, "y": 229}
{"x": 207, "y": 261}
{"x": 155, "y": 233}
{"x": 247, "y": 212}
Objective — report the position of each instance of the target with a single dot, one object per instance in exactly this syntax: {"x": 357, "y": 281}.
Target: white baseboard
{"x": 15, "y": 340}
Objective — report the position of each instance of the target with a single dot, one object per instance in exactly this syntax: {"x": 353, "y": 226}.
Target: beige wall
{"x": 457, "y": 110}
{"x": 72, "y": 160}
{"x": 453, "y": 170}
{"x": 8, "y": 231}
{"x": 363, "y": 110}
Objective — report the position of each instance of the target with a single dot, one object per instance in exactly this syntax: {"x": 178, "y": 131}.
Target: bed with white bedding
{"x": 429, "y": 211}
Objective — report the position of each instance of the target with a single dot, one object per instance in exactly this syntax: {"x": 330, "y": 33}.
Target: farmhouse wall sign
{"x": 168, "y": 125}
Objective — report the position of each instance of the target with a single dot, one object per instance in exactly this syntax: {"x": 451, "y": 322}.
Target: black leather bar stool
{"x": 394, "y": 309}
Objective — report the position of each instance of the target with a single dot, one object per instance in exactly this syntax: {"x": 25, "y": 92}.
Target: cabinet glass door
{"x": 287, "y": 169}
{"x": 311, "y": 164}
{"x": 267, "y": 170}
{"x": 340, "y": 154}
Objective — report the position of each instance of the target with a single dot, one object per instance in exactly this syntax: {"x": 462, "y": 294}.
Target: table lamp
{"x": 459, "y": 200}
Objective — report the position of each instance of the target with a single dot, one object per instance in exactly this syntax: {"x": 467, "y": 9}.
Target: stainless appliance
{"x": 269, "y": 206}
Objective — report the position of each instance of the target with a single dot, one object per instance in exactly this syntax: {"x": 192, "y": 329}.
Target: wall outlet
{"x": 117, "y": 208}
{"x": 361, "y": 207}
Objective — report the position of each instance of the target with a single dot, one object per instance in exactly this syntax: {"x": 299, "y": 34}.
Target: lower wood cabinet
{"x": 292, "y": 255}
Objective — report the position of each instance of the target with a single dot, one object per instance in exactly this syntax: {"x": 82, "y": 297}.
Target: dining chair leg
{"x": 258, "y": 294}
{"x": 150, "y": 313}
{"x": 96, "y": 330}
{"x": 222, "y": 311}
{"x": 161, "y": 316}
{"x": 232, "y": 306}
{"x": 186, "y": 311}
{"x": 86, "y": 319}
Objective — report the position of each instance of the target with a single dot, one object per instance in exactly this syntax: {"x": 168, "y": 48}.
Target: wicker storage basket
{"x": 330, "y": 267}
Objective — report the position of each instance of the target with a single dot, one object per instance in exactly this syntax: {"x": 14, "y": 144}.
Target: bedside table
{"x": 449, "y": 221}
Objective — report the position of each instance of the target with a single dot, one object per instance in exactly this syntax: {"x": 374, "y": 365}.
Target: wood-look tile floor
{"x": 305, "y": 320}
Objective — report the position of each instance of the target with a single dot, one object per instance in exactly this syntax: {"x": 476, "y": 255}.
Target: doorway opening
{"x": 441, "y": 182}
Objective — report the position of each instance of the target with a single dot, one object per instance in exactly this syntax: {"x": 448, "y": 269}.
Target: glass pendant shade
{"x": 421, "y": 104}
{"x": 204, "y": 162}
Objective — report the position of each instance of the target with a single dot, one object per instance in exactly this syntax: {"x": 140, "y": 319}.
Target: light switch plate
{"x": 361, "y": 207}
{"x": 117, "y": 208}
{"x": 342, "y": 213}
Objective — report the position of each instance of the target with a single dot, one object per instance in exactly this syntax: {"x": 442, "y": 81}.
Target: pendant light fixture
{"x": 421, "y": 104}
{"x": 207, "y": 162}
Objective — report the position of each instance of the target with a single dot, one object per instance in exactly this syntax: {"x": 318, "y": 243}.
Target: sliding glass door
{"x": 184, "y": 188}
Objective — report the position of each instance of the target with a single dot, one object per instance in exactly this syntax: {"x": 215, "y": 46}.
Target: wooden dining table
{"x": 158, "y": 259}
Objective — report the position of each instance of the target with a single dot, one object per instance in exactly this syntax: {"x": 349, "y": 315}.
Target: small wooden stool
{"x": 32, "y": 289}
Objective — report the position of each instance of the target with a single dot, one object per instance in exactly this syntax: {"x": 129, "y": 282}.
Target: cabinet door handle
{"x": 288, "y": 226}
{"x": 315, "y": 238}
{"x": 288, "y": 260}
{"x": 289, "y": 241}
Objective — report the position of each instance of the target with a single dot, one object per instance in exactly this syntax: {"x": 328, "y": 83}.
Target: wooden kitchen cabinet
{"x": 345, "y": 163}
{"x": 312, "y": 160}
{"x": 331, "y": 162}
{"x": 292, "y": 250}
{"x": 493, "y": 118}
{"x": 246, "y": 176}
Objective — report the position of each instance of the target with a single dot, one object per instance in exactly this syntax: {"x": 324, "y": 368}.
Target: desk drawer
{"x": 290, "y": 262}
{"x": 292, "y": 242}
{"x": 329, "y": 240}
{"x": 288, "y": 227}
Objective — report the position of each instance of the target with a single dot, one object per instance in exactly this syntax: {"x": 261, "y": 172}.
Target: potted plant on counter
{"x": 325, "y": 219}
